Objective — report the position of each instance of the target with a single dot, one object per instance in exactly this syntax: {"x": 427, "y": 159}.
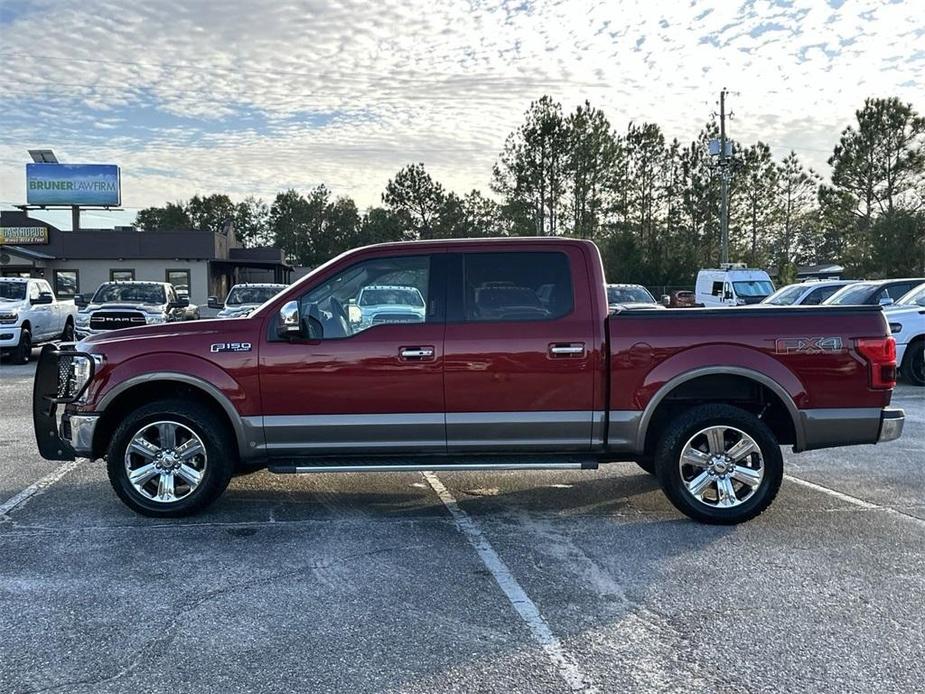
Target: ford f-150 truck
{"x": 487, "y": 380}
{"x": 31, "y": 314}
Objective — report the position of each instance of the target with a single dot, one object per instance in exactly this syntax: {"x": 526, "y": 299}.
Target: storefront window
{"x": 67, "y": 283}
{"x": 180, "y": 280}
{"x": 121, "y": 275}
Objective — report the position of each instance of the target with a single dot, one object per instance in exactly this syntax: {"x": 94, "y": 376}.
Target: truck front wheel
{"x": 170, "y": 458}
{"x": 719, "y": 464}
{"x": 23, "y": 350}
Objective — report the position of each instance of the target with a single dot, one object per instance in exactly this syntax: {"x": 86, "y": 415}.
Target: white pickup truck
{"x": 31, "y": 314}
{"x": 907, "y": 323}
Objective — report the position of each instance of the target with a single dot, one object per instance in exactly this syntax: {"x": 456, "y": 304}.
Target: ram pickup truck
{"x": 487, "y": 380}
{"x": 31, "y": 314}
{"x": 117, "y": 305}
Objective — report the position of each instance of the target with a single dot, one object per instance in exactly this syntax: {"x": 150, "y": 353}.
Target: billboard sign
{"x": 73, "y": 184}
{"x": 23, "y": 236}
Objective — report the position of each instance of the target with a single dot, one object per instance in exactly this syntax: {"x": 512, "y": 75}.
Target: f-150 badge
{"x": 231, "y": 347}
{"x": 808, "y": 345}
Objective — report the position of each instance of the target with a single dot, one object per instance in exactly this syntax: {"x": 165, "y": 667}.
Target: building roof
{"x": 131, "y": 244}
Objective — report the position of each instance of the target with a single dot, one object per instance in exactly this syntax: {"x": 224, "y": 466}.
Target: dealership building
{"x": 77, "y": 262}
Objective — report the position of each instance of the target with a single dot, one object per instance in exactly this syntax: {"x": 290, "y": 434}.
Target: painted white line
{"x": 847, "y": 498}
{"x": 37, "y": 487}
{"x": 518, "y": 598}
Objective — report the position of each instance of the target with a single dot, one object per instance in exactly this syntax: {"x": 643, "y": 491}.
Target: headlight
{"x": 83, "y": 319}
{"x": 896, "y": 328}
{"x": 151, "y": 319}
{"x": 75, "y": 375}
{"x": 9, "y": 317}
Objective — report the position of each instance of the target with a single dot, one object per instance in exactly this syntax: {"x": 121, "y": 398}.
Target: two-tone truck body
{"x": 517, "y": 363}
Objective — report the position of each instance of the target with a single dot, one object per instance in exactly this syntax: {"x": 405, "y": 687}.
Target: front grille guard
{"x": 54, "y": 375}
{"x": 53, "y": 380}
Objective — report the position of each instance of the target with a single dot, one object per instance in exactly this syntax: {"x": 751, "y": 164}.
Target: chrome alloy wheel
{"x": 721, "y": 466}
{"x": 165, "y": 461}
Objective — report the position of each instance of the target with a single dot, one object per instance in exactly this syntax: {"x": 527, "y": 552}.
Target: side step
{"x": 425, "y": 466}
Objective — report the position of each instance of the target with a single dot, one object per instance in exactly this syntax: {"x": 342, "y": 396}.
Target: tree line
{"x": 651, "y": 204}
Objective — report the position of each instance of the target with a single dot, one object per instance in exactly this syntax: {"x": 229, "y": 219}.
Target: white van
{"x": 732, "y": 285}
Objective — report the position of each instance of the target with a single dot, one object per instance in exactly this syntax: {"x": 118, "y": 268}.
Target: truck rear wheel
{"x": 170, "y": 458}
{"x": 719, "y": 464}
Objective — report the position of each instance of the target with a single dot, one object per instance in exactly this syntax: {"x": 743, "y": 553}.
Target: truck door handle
{"x": 572, "y": 349}
{"x": 416, "y": 353}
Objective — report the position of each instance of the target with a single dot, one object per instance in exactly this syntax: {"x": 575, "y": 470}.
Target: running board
{"x": 424, "y": 467}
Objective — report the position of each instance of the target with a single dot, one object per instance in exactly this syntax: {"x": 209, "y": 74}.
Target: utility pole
{"x": 725, "y": 172}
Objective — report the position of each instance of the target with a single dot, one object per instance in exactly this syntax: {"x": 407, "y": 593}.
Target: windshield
{"x": 853, "y": 294}
{"x": 401, "y": 296}
{"x": 12, "y": 291}
{"x": 629, "y": 295}
{"x": 130, "y": 293}
{"x": 787, "y": 296}
{"x": 916, "y": 296}
{"x": 753, "y": 288}
{"x": 252, "y": 295}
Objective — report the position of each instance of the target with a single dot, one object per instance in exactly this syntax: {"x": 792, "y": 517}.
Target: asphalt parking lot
{"x": 463, "y": 582}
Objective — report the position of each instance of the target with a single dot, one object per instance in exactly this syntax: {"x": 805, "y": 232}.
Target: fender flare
{"x": 249, "y": 436}
{"x": 757, "y": 376}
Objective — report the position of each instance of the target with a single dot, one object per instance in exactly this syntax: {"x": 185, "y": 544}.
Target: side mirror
{"x": 921, "y": 301}
{"x": 886, "y": 301}
{"x": 44, "y": 298}
{"x": 290, "y": 324}
{"x": 81, "y": 301}
{"x": 666, "y": 300}
{"x": 179, "y": 303}
{"x": 215, "y": 303}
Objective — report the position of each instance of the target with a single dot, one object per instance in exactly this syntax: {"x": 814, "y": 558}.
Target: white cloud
{"x": 251, "y": 97}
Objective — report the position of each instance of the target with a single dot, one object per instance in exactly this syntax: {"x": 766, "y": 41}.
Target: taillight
{"x": 880, "y": 353}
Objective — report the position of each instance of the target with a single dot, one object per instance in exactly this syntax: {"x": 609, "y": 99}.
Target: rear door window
{"x": 820, "y": 294}
{"x": 516, "y": 286}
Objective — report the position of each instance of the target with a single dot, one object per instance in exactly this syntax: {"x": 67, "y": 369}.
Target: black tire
{"x": 913, "y": 366}
{"x": 22, "y": 353}
{"x": 647, "y": 465}
{"x": 676, "y": 436}
{"x": 67, "y": 335}
{"x": 216, "y": 438}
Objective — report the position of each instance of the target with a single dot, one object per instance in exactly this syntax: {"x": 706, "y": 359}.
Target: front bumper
{"x": 892, "y": 420}
{"x": 74, "y": 437}
{"x": 9, "y": 336}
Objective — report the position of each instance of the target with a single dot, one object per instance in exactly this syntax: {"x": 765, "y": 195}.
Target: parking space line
{"x": 37, "y": 487}
{"x": 847, "y": 498}
{"x": 520, "y": 601}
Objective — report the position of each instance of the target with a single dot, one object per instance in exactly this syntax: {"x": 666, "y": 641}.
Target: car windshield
{"x": 916, "y": 296}
{"x": 753, "y": 288}
{"x": 251, "y": 295}
{"x": 402, "y": 296}
{"x": 787, "y": 296}
{"x": 629, "y": 295}
{"x": 852, "y": 294}
{"x": 12, "y": 291}
{"x": 141, "y": 293}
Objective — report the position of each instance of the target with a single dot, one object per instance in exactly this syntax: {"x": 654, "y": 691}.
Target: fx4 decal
{"x": 808, "y": 345}
{"x": 231, "y": 347}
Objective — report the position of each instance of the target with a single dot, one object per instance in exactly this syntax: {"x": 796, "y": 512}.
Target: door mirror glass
{"x": 290, "y": 324}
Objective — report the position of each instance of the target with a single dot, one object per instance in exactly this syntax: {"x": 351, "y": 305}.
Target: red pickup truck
{"x": 513, "y": 361}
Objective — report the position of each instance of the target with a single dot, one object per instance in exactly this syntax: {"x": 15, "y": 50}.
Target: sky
{"x": 250, "y": 97}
